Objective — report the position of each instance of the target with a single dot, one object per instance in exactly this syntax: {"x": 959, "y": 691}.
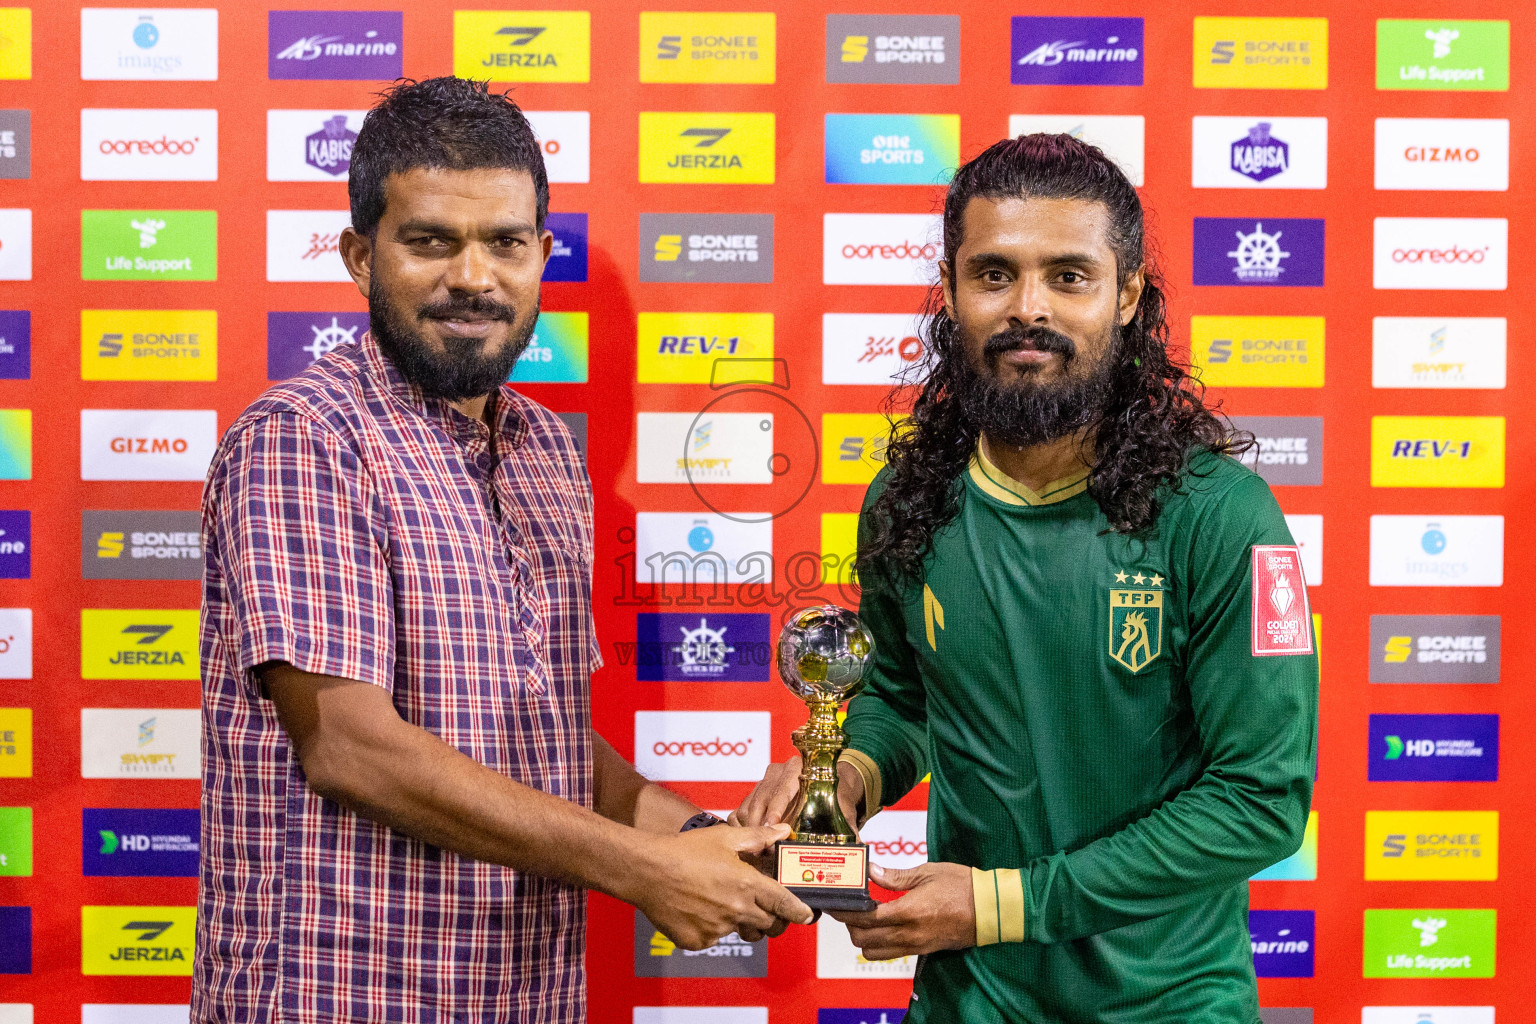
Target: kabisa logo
{"x": 136, "y": 940}
{"x": 149, "y": 245}
{"x": 121, "y": 842}
{"x": 1461, "y": 55}
{"x": 144, "y": 344}
{"x": 568, "y": 253}
{"x": 302, "y": 245}
{"x": 721, "y": 648}
{"x": 1441, "y": 253}
{"x": 1283, "y": 942}
{"x": 1261, "y": 53}
{"x": 134, "y": 743}
{"x": 1260, "y": 155}
{"x": 1437, "y": 551}
{"x": 1288, "y": 450}
{"x": 138, "y": 644}
{"x": 722, "y": 746}
{"x": 705, "y": 46}
{"x": 311, "y": 145}
{"x": 149, "y": 145}
{"x": 1434, "y": 748}
{"x": 683, "y": 348}
{"x": 15, "y": 344}
{"x": 731, "y": 148}
{"x": 1442, "y": 154}
{"x": 146, "y": 444}
{"x": 1077, "y": 51}
{"x": 1259, "y": 152}
{"x": 868, "y": 348}
{"x": 1432, "y": 846}
{"x": 1438, "y": 352}
{"x": 657, "y": 956}
{"x": 15, "y": 144}
{"x": 891, "y": 149}
{"x": 1435, "y": 648}
{"x": 721, "y": 248}
{"x": 1437, "y": 451}
{"x": 1238, "y": 251}
{"x": 141, "y": 545}
{"x": 335, "y": 45}
{"x": 1431, "y": 943}
{"x": 896, "y": 48}
{"x": 557, "y": 351}
{"x": 160, "y": 44}
{"x": 294, "y": 340}
{"x": 880, "y": 248}
{"x": 329, "y": 150}
{"x": 1259, "y": 351}
{"x": 523, "y": 46}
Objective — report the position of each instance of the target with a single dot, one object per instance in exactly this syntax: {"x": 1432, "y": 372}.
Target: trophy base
{"x": 826, "y": 876}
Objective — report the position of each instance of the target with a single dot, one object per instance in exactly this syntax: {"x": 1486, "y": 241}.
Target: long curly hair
{"x": 1153, "y": 421}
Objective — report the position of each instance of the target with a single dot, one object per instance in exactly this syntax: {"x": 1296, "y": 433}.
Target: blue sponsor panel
{"x": 294, "y": 340}
{"x": 719, "y": 648}
{"x": 1285, "y": 251}
{"x": 840, "y": 1015}
{"x": 892, "y": 149}
{"x": 335, "y": 45}
{"x": 568, "y": 254}
{"x": 1077, "y": 51}
{"x": 15, "y": 344}
{"x": 130, "y": 842}
{"x": 15, "y": 940}
{"x": 1283, "y": 942}
{"x": 15, "y": 544}
{"x": 1434, "y": 748}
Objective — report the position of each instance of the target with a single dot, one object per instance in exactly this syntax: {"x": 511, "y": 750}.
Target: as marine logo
{"x": 1136, "y": 621}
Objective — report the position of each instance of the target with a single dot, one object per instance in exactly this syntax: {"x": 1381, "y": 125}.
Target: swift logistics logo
{"x": 1261, "y": 53}
{"x": 707, "y": 46}
{"x": 15, "y": 143}
{"x": 715, "y": 248}
{"x": 880, "y": 248}
{"x": 1442, "y": 154}
{"x": 1435, "y": 648}
{"x": 728, "y": 647}
{"x": 891, "y": 149}
{"x": 523, "y": 46}
{"x": 138, "y": 643}
{"x": 1438, "y": 352}
{"x": 657, "y": 956}
{"x": 1434, "y": 748}
{"x": 302, "y": 245}
{"x": 892, "y": 49}
{"x": 1259, "y": 152}
{"x": 15, "y": 842}
{"x": 15, "y": 544}
{"x": 15, "y": 344}
{"x": 868, "y": 348}
{"x": 130, "y": 843}
{"x": 149, "y": 245}
{"x": 149, "y": 344}
{"x": 294, "y": 340}
{"x": 158, "y": 44}
{"x": 853, "y": 446}
{"x": 717, "y": 447}
{"x": 565, "y": 137}
{"x": 137, "y": 940}
{"x": 140, "y": 743}
{"x": 147, "y": 444}
{"x": 682, "y": 348}
{"x": 702, "y": 746}
{"x": 1437, "y": 451}
{"x": 15, "y": 245}
{"x": 729, "y": 148}
{"x": 165, "y": 545}
{"x": 149, "y": 145}
{"x": 335, "y": 45}
{"x": 1122, "y": 137}
{"x": 15, "y": 743}
{"x": 1285, "y": 251}
{"x": 557, "y": 351}
{"x": 1284, "y": 942}
{"x": 311, "y": 145}
{"x": 568, "y": 252}
{"x": 1300, "y": 866}
{"x": 1461, "y": 846}
{"x": 1288, "y": 450}
{"x": 1464, "y": 253}
{"x": 1437, "y": 551}
{"x": 838, "y": 957}
{"x": 1077, "y": 51}
{"x": 1258, "y": 351}
{"x": 1435, "y": 943}
{"x": 1461, "y": 55}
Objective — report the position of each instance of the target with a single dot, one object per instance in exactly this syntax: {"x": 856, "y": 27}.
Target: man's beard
{"x": 463, "y": 369}
{"x": 1029, "y": 411}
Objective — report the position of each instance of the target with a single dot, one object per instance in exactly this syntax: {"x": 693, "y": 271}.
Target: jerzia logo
{"x": 138, "y": 644}
{"x": 136, "y": 940}
{"x": 732, "y": 148}
{"x": 523, "y": 46}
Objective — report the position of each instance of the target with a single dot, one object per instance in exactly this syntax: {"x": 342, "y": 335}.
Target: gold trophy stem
{"x": 815, "y": 816}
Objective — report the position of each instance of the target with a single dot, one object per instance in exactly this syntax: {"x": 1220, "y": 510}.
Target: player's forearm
{"x": 895, "y": 745}
{"x": 621, "y": 794}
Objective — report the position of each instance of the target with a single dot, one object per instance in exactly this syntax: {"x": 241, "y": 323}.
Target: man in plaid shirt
{"x": 403, "y": 799}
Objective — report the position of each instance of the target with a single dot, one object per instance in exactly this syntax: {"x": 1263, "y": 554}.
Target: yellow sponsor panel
{"x": 1261, "y": 53}
{"x": 839, "y": 545}
{"x": 706, "y": 46}
{"x": 137, "y": 940}
{"x": 734, "y": 149}
{"x": 1437, "y": 451}
{"x": 1258, "y": 351}
{"x": 1458, "y": 846}
{"x": 15, "y": 42}
{"x": 149, "y": 344}
{"x": 138, "y": 643}
{"x": 684, "y": 348}
{"x": 15, "y": 743}
{"x": 853, "y": 447}
{"x": 523, "y": 46}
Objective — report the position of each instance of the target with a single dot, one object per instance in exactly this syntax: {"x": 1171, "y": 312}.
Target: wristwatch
{"x": 701, "y": 820}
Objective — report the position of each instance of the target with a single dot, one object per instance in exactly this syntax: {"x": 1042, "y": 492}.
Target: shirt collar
{"x": 997, "y": 484}
{"x": 511, "y": 427}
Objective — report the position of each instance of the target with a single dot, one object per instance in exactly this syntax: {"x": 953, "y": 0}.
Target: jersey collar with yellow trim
{"x": 997, "y": 484}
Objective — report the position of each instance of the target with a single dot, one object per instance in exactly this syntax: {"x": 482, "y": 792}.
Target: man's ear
{"x": 356, "y": 253}
{"x": 947, "y": 284}
{"x": 1130, "y": 295}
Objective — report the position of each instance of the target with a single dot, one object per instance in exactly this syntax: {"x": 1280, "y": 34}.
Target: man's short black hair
{"x": 449, "y": 123}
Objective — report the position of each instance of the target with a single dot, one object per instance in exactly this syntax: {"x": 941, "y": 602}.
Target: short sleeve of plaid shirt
{"x": 299, "y": 542}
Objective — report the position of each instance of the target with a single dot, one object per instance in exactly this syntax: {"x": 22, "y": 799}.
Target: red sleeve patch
{"x": 1282, "y": 619}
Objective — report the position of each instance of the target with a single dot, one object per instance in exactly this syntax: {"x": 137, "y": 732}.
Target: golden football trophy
{"x": 822, "y": 654}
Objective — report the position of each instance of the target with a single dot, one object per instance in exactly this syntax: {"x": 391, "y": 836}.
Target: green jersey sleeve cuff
{"x": 999, "y": 897}
{"x": 870, "y": 773}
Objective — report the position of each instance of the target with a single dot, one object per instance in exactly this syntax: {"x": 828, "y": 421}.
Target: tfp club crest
{"x": 1135, "y": 627}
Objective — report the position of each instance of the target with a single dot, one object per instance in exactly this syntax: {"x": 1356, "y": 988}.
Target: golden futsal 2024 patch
{"x": 1282, "y": 621}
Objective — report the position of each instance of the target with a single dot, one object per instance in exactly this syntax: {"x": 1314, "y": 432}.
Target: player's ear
{"x": 356, "y": 253}
{"x": 947, "y": 285}
{"x": 1130, "y": 295}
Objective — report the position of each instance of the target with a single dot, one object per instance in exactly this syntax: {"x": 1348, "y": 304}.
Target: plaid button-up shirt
{"x": 355, "y": 529}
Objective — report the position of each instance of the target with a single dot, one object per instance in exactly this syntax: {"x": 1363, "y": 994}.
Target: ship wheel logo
{"x": 1258, "y": 255}
{"x": 327, "y": 338}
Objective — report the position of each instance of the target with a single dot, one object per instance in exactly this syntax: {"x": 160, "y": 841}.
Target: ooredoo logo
{"x": 897, "y": 839}
{"x": 880, "y": 248}
{"x": 146, "y": 444}
{"x": 565, "y": 136}
{"x": 727, "y": 746}
{"x": 1455, "y": 254}
{"x": 1442, "y": 253}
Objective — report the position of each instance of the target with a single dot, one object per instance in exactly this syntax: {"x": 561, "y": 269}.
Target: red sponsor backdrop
{"x": 612, "y": 295}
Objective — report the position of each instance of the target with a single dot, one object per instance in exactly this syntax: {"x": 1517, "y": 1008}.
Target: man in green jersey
{"x": 1090, "y": 626}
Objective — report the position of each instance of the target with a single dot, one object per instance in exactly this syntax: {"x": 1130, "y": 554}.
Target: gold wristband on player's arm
{"x": 870, "y": 773}
{"x": 999, "y": 896}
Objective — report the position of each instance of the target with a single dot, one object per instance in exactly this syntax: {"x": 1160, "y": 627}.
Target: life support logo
{"x": 722, "y": 746}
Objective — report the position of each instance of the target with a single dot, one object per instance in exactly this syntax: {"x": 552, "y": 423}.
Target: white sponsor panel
{"x": 302, "y": 245}
{"x": 15, "y": 245}
{"x": 292, "y": 157}
{"x": 15, "y": 643}
{"x": 1123, "y": 138}
{"x": 149, "y": 145}
{"x": 713, "y": 448}
{"x": 838, "y": 957}
{"x": 702, "y": 746}
{"x": 1437, "y": 551}
{"x": 881, "y": 248}
{"x": 15, "y": 1013}
{"x": 1442, "y": 154}
{"x": 700, "y": 1015}
{"x": 135, "y": 1013}
{"x": 1470, "y": 253}
{"x": 1438, "y": 352}
{"x": 897, "y": 839}
{"x": 868, "y": 348}
{"x": 678, "y": 547}
{"x": 1308, "y": 533}
{"x": 1260, "y": 152}
{"x": 147, "y": 444}
{"x": 140, "y": 743}
{"x": 565, "y": 136}
{"x": 1426, "y": 1015}
{"x": 149, "y": 44}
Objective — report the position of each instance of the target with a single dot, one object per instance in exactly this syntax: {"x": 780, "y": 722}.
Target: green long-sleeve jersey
{"x": 1126, "y": 726}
